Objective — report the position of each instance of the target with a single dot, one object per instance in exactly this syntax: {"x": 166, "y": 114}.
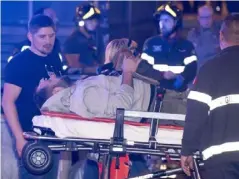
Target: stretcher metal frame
{"x": 40, "y": 146}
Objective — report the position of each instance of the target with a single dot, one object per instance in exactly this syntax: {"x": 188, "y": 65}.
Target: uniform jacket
{"x": 213, "y": 108}
{"x": 176, "y": 55}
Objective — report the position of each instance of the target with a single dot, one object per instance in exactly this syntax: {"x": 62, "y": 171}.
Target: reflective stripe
{"x": 170, "y": 11}
{"x": 164, "y": 67}
{"x": 60, "y": 56}
{"x": 81, "y": 23}
{"x": 190, "y": 59}
{"x": 24, "y": 47}
{"x": 161, "y": 67}
{"x": 148, "y": 58}
{"x": 9, "y": 58}
{"x": 89, "y": 14}
{"x": 224, "y": 100}
{"x": 64, "y": 67}
{"x": 219, "y": 149}
{"x": 213, "y": 104}
{"x": 201, "y": 97}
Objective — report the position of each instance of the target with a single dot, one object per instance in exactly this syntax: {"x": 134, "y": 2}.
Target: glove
{"x": 179, "y": 80}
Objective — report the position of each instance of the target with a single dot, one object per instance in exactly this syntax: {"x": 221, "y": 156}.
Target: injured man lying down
{"x": 100, "y": 96}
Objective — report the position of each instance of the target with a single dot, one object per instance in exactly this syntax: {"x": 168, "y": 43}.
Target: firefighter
{"x": 211, "y": 125}
{"x": 82, "y": 47}
{"x": 168, "y": 51}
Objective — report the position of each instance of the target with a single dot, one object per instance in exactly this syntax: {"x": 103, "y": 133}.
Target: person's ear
{"x": 29, "y": 36}
{"x": 221, "y": 37}
{"x": 56, "y": 90}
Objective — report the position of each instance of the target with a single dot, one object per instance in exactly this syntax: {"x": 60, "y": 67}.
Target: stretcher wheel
{"x": 37, "y": 158}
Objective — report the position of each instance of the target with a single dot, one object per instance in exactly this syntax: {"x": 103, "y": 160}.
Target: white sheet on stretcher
{"x": 70, "y": 125}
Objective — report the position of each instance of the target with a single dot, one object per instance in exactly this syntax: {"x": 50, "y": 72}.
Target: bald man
{"x": 205, "y": 37}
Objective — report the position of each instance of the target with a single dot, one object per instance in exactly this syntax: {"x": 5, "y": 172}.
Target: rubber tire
{"x": 31, "y": 149}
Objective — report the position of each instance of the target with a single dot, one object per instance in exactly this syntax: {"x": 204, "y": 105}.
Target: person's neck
{"x": 170, "y": 37}
{"x": 37, "y": 52}
{"x": 85, "y": 32}
{"x": 206, "y": 28}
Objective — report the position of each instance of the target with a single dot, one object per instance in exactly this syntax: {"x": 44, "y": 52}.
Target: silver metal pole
{"x": 155, "y": 115}
{"x": 30, "y": 9}
{"x": 129, "y": 18}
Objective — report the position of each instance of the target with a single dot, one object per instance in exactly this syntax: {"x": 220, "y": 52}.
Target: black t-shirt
{"x": 77, "y": 43}
{"x": 26, "y": 70}
{"x": 54, "y": 62}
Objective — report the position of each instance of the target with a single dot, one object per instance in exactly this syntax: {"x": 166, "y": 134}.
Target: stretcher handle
{"x": 163, "y": 173}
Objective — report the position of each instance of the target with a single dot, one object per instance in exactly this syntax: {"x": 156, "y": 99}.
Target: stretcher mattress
{"x": 71, "y": 125}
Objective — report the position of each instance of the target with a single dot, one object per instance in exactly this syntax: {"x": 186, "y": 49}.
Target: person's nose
{"x": 48, "y": 39}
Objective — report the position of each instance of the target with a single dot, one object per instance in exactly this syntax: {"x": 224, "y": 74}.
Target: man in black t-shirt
{"x": 22, "y": 76}
{"x": 55, "y": 57}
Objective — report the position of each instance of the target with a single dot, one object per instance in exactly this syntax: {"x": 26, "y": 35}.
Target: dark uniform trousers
{"x": 222, "y": 171}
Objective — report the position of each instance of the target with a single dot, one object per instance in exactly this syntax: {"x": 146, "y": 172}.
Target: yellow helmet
{"x": 86, "y": 12}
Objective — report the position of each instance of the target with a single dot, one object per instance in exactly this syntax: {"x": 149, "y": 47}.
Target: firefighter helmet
{"x": 171, "y": 10}
{"x": 86, "y": 12}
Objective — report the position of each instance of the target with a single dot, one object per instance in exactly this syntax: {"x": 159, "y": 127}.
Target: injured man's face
{"x": 49, "y": 87}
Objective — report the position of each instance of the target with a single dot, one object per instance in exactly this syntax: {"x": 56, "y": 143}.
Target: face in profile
{"x": 48, "y": 84}
{"x": 166, "y": 24}
{"x": 92, "y": 24}
{"x": 43, "y": 40}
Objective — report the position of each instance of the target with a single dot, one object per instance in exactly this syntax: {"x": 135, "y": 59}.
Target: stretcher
{"x": 111, "y": 138}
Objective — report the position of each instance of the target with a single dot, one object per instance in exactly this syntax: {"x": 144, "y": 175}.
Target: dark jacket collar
{"x": 231, "y": 48}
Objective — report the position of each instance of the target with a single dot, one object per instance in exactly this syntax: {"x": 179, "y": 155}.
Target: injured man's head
{"x": 49, "y": 87}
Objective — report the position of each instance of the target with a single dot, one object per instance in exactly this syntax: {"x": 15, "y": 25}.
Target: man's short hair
{"x": 40, "y": 11}
{"x": 204, "y": 5}
{"x": 40, "y": 21}
{"x": 230, "y": 28}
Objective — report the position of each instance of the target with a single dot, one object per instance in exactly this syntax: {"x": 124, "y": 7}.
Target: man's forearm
{"x": 147, "y": 70}
{"x": 10, "y": 111}
{"x": 127, "y": 79}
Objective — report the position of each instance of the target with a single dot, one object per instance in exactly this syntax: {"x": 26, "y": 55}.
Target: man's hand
{"x": 168, "y": 75}
{"x": 20, "y": 143}
{"x": 42, "y": 84}
{"x": 130, "y": 64}
{"x": 187, "y": 164}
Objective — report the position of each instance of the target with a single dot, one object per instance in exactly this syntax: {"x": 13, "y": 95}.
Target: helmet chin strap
{"x": 85, "y": 32}
{"x": 168, "y": 35}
